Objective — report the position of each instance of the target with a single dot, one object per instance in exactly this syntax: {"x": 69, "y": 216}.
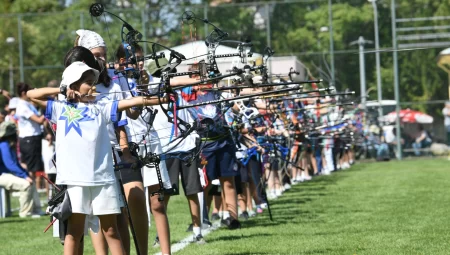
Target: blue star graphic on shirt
{"x": 73, "y": 116}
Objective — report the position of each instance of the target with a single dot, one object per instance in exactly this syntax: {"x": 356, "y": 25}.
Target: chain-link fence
{"x": 298, "y": 28}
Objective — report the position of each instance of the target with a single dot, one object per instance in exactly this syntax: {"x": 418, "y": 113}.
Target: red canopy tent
{"x": 409, "y": 116}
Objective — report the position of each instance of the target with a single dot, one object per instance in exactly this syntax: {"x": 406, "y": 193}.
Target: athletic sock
{"x": 197, "y": 231}
{"x": 226, "y": 214}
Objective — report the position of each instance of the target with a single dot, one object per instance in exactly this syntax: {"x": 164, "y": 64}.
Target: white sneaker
{"x": 307, "y": 178}
{"x": 278, "y": 193}
{"x": 263, "y": 205}
{"x": 338, "y": 166}
{"x": 345, "y": 165}
{"x": 271, "y": 195}
{"x": 299, "y": 178}
{"x": 326, "y": 172}
{"x": 287, "y": 186}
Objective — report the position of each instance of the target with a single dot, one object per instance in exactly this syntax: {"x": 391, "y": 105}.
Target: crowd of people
{"x": 76, "y": 132}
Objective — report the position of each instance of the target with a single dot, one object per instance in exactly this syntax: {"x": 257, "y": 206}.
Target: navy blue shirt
{"x": 9, "y": 162}
{"x": 217, "y": 132}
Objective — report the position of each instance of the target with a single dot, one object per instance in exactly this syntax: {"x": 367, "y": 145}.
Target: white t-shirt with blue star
{"x": 111, "y": 93}
{"x": 83, "y": 155}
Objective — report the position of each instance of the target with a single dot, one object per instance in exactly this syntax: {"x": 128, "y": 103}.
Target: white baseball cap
{"x": 74, "y": 72}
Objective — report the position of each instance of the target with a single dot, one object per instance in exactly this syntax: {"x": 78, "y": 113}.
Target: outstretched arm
{"x": 179, "y": 81}
{"x": 139, "y": 101}
{"x": 40, "y": 96}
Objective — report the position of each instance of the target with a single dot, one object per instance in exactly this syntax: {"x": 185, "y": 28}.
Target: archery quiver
{"x": 60, "y": 208}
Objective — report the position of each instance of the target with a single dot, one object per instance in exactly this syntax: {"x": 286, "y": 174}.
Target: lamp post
{"x": 11, "y": 40}
{"x": 362, "y": 68}
{"x": 330, "y": 21}
{"x": 377, "y": 56}
{"x": 319, "y": 46}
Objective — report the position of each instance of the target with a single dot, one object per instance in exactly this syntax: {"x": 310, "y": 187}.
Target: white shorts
{"x": 95, "y": 200}
{"x": 149, "y": 175}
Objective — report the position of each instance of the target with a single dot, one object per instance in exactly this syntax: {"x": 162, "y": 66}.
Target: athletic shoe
{"x": 31, "y": 216}
{"x": 190, "y": 228}
{"x": 345, "y": 165}
{"x": 278, "y": 193}
{"x": 244, "y": 215}
{"x": 307, "y": 178}
{"x": 253, "y": 213}
{"x": 287, "y": 186}
{"x": 199, "y": 239}
{"x": 207, "y": 222}
{"x": 215, "y": 216}
{"x": 272, "y": 195}
{"x": 263, "y": 205}
{"x": 231, "y": 223}
{"x": 156, "y": 243}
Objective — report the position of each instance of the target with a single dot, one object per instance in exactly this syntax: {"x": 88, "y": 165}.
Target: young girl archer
{"x": 85, "y": 162}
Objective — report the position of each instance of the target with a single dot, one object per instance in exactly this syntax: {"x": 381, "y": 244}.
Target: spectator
{"x": 446, "y": 113}
{"x": 422, "y": 141}
{"x": 5, "y": 94}
{"x": 383, "y": 149}
{"x": 12, "y": 175}
{"x": 30, "y": 134}
{"x": 11, "y": 109}
{"x": 48, "y": 148}
{"x": 3, "y": 115}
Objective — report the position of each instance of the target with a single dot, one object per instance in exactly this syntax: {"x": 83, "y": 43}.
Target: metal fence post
{"x": 144, "y": 30}
{"x": 19, "y": 26}
{"x": 269, "y": 42}
{"x": 81, "y": 20}
{"x": 362, "y": 71}
{"x": 205, "y": 16}
{"x": 396, "y": 82}
{"x": 330, "y": 21}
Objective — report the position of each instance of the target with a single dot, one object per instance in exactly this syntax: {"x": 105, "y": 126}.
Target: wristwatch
{"x": 63, "y": 90}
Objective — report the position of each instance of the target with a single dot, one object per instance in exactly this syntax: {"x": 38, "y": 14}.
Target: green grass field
{"x": 373, "y": 208}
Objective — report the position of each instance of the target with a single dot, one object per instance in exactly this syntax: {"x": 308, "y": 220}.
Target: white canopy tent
{"x": 276, "y": 65}
{"x": 193, "y": 49}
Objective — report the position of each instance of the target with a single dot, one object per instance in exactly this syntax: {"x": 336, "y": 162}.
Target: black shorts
{"x": 275, "y": 164}
{"x": 52, "y": 177}
{"x": 190, "y": 178}
{"x": 129, "y": 175}
{"x": 238, "y": 184}
{"x": 221, "y": 163}
{"x": 31, "y": 153}
{"x": 243, "y": 173}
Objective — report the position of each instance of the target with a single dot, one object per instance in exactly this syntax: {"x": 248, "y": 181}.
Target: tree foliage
{"x": 294, "y": 30}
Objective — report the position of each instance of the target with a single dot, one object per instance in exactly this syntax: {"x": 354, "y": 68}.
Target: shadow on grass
{"x": 330, "y": 251}
{"x": 284, "y": 210}
{"x": 13, "y": 220}
{"x": 246, "y": 253}
{"x": 237, "y": 236}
